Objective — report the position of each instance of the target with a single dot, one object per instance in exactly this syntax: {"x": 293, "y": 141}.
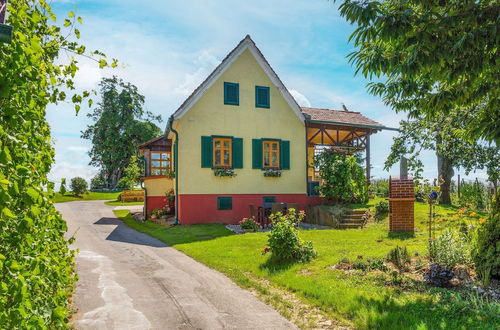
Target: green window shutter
{"x": 256, "y": 153}
{"x": 231, "y": 93}
{"x": 206, "y": 151}
{"x": 237, "y": 153}
{"x": 224, "y": 203}
{"x": 285, "y": 155}
{"x": 262, "y": 97}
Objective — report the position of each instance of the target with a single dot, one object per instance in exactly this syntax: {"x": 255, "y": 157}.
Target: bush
{"x": 380, "y": 187}
{"x": 450, "y": 249}
{"x": 342, "y": 177}
{"x": 249, "y": 224}
{"x": 78, "y": 186}
{"x": 97, "y": 182}
{"x": 62, "y": 189}
{"x": 125, "y": 183}
{"x": 284, "y": 242}
{"x": 475, "y": 195}
{"x": 399, "y": 256}
{"x": 487, "y": 246}
{"x": 381, "y": 208}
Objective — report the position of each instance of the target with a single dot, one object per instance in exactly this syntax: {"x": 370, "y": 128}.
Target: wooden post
{"x": 458, "y": 186}
{"x": 368, "y": 159}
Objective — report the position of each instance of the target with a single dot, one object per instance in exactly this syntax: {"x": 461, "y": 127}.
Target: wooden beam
{"x": 315, "y": 134}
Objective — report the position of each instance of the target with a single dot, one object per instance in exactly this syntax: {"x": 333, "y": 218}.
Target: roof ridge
{"x": 348, "y": 111}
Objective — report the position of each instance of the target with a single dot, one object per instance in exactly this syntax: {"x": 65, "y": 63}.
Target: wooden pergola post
{"x": 368, "y": 159}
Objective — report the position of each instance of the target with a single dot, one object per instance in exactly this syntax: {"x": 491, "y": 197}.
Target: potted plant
{"x": 170, "y": 198}
{"x": 249, "y": 225}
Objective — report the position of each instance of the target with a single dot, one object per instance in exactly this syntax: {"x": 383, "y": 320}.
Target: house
{"x": 240, "y": 138}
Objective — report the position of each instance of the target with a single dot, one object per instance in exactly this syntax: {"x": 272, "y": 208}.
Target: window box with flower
{"x": 224, "y": 172}
{"x": 272, "y": 172}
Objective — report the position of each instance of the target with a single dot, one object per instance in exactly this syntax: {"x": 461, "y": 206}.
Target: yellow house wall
{"x": 158, "y": 186}
{"x": 210, "y": 116}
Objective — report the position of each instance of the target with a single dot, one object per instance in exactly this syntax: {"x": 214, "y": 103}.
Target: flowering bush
{"x": 249, "y": 223}
{"x": 487, "y": 247}
{"x": 451, "y": 249}
{"x": 284, "y": 241}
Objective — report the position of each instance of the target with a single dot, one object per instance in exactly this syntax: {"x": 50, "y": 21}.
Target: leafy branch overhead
{"x": 431, "y": 58}
{"x": 36, "y": 267}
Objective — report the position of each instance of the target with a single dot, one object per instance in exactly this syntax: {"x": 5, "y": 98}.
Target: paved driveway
{"x": 128, "y": 280}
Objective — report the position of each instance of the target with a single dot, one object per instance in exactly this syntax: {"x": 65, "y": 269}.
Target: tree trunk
{"x": 445, "y": 173}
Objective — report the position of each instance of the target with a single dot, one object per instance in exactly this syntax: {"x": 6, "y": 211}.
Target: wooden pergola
{"x": 342, "y": 130}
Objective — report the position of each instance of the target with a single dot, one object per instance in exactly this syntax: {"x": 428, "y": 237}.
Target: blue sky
{"x": 166, "y": 48}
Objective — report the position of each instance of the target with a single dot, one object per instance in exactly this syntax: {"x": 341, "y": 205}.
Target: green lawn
{"x": 120, "y": 203}
{"x": 68, "y": 197}
{"x": 367, "y": 301}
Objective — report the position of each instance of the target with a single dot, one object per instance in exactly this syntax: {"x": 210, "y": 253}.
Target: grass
{"x": 367, "y": 301}
{"x": 120, "y": 203}
{"x": 68, "y": 197}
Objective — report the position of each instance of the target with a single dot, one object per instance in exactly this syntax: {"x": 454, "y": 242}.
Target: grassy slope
{"x": 364, "y": 301}
{"x": 58, "y": 198}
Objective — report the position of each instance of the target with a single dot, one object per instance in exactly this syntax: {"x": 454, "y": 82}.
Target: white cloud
{"x": 300, "y": 98}
{"x": 78, "y": 148}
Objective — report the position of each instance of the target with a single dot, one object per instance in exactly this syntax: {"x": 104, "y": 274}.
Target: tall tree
{"x": 120, "y": 124}
{"x": 36, "y": 265}
{"x": 432, "y": 57}
{"x": 452, "y": 151}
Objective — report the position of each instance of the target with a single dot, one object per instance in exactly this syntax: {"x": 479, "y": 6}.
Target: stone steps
{"x": 354, "y": 219}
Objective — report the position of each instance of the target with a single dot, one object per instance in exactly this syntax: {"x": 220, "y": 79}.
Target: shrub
{"x": 399, "y": 256}
{"x": 125, "y": 183}
{"x": 97, "y": 182}
{"x": 284, "y": 242}
{"x": 78, "y": 186}
{"x": 380, "y": 187}
{"x": 343, "y": 178}
{"x": 62, "y": 189}
{"x": 474, "y": 194}
{"x": 487, "y": 246}
{"x": 381, "y": 208}
{"x": 450, "y": 249}
{"x": 249, "y": 223}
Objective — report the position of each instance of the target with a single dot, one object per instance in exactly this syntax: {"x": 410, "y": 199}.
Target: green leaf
{"x": 7, "y": 212}
{"x": 102, "y": 63}
{"x": 71, "y": 14}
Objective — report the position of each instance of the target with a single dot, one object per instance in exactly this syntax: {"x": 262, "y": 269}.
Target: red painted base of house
{"x": 200, "y": 208}
{"x": 155, "y": 202}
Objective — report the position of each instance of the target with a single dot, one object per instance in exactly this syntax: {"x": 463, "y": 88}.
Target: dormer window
{"x": 262, "y": 97}
{"x": 231, "y": 93}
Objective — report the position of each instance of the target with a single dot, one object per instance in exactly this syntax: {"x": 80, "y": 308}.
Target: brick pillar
{"x": 401, "y": 199}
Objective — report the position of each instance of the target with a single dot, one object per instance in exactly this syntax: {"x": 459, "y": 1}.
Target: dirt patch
{"x": 291, "y": 306}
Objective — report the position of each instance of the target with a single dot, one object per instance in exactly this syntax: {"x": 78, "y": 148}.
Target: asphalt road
{"x": 129, "y": 280}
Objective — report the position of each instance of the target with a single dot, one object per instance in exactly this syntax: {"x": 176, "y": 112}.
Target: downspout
{"x": 145, "y": 211}
{"x": 176, "y": 168}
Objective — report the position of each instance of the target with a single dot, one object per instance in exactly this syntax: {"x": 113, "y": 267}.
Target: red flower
{"x": 265, "y": 250}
